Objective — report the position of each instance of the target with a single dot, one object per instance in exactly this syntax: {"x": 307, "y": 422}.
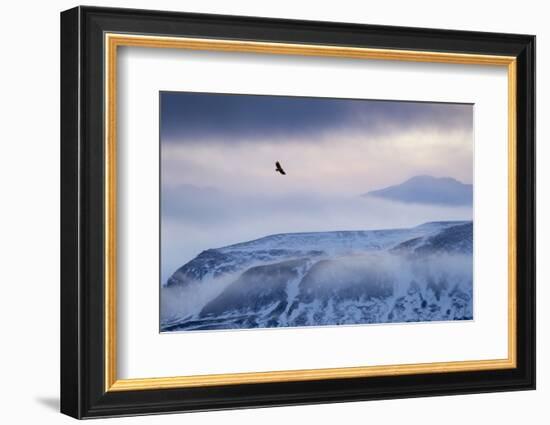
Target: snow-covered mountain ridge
{"x": 326, "y": 278}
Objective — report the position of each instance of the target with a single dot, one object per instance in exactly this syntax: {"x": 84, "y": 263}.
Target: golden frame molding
{"x": 114, "y": 40}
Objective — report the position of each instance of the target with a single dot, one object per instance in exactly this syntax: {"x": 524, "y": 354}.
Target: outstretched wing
{"x": 279, "y": 168}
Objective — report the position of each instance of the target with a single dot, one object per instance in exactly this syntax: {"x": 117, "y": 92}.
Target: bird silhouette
{"x": 279, "y": 169}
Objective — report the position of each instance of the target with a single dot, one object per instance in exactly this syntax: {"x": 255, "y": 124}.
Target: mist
{"x": 195, "y": 219}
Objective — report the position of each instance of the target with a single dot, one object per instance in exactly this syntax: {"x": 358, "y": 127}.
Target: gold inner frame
{"x": 113, "y": 41}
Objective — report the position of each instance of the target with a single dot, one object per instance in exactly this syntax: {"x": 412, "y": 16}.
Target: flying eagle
{"x": 279, "y": 169}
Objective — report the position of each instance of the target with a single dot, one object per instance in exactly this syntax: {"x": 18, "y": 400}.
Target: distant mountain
{"x": 428, "y": 190}
{"x": 422, "y": 273}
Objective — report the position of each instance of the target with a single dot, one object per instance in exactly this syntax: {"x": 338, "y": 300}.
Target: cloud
{"x": 188, "y": 117}
{"x": 342, "y": 162}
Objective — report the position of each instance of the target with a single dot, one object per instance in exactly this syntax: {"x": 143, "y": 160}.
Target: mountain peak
{"x": 425, "y": 189}
{"x": 428, "y": 178}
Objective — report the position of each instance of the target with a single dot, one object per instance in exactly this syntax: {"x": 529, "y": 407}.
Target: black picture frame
{"x": 83, "y": 392}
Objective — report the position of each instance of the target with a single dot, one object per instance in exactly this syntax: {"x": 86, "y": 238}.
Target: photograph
{"x": 287, "y": 211}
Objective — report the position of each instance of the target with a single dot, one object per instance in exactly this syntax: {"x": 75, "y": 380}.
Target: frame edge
{"x": 70, "y": 349}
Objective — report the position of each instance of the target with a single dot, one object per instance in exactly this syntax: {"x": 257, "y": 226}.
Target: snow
{"x": 326, "y": 278}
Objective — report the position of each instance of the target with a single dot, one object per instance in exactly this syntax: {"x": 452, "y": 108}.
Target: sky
{"x": 218, "y": 153}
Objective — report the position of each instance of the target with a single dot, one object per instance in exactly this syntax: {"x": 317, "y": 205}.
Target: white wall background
{"x": 29, "y": 224}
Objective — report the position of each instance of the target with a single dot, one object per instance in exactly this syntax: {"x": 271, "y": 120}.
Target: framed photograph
{"x": 261, "y": 212}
